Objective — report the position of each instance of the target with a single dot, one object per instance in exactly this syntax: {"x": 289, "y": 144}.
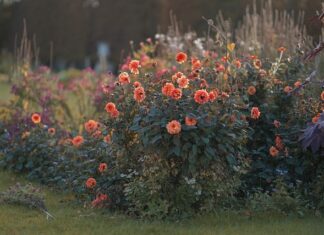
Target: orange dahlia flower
{"x": 91, "y": 126}
{"x": 255, "y": 113}
{"x": 181, "y": 57}
{"x": 203, "y": 83}
{"x": 137, "y": 84}
{"x": 102, "y": 167}
{"x": 176, "y": 94}
{"x": 110, "y": 107}
{"x": 190, "y": 121}
{"x": 195, "y": 64}
{"x": 279, "y": 144}
{"x": 99, "y": 200}
{"x": 133, "y": 66}
{"x": 257, "y": 64}
{"x": 124, "y": 78}
{"x": 91, "y": 183}
{"x": 107, "y": 139}
{"x": 139, "y": 94}
{"x": 273, "y": 151}
{"x": 173, "y": 127}
{"x": 36, "y": 118}
{"x": 220, "y": 68}
{"x": 316, "y": 118}
{"x": 237, "y": 63}
{"x": 201, "y": 96}
{"x": 176, "y": 76}
{"x": 167, "y": 89}
{"x": 287, "y": 89}
{"x": 251, "y": 90}
{"x": 183, "y": 82}
{"x": 115, "y": 113}
{"x": 224, "y": 94}
{"x": 51, "y": 131}
{"x": 212, "y": 96}
{"x": 297, "y": 84}
{"x": 77, "y": 141}
{"x": 97, "y": 134}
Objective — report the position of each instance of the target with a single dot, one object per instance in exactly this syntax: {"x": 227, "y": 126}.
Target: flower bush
{"x": 187, "y": 126}
{"x": 184, "y": 122}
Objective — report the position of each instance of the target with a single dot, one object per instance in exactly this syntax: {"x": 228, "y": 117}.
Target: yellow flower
{"x": 231, "y": 47}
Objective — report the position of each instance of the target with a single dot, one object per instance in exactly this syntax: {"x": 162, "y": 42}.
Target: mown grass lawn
{"x": 73, "y": 219}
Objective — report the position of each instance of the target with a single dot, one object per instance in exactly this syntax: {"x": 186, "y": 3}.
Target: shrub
{"x": 188, "y": 126}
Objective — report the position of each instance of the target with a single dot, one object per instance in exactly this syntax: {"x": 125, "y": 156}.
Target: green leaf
{"x": 231, "y": 160}
{"x": 176, "y": 140}
{"x": 155, "y": 139}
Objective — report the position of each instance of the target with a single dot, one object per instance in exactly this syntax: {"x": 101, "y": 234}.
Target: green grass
{"x": 4, "y": 90}
{"x": 73, "y": 219}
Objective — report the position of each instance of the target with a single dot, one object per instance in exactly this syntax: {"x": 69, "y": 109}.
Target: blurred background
{"x": 71, "y": 33}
